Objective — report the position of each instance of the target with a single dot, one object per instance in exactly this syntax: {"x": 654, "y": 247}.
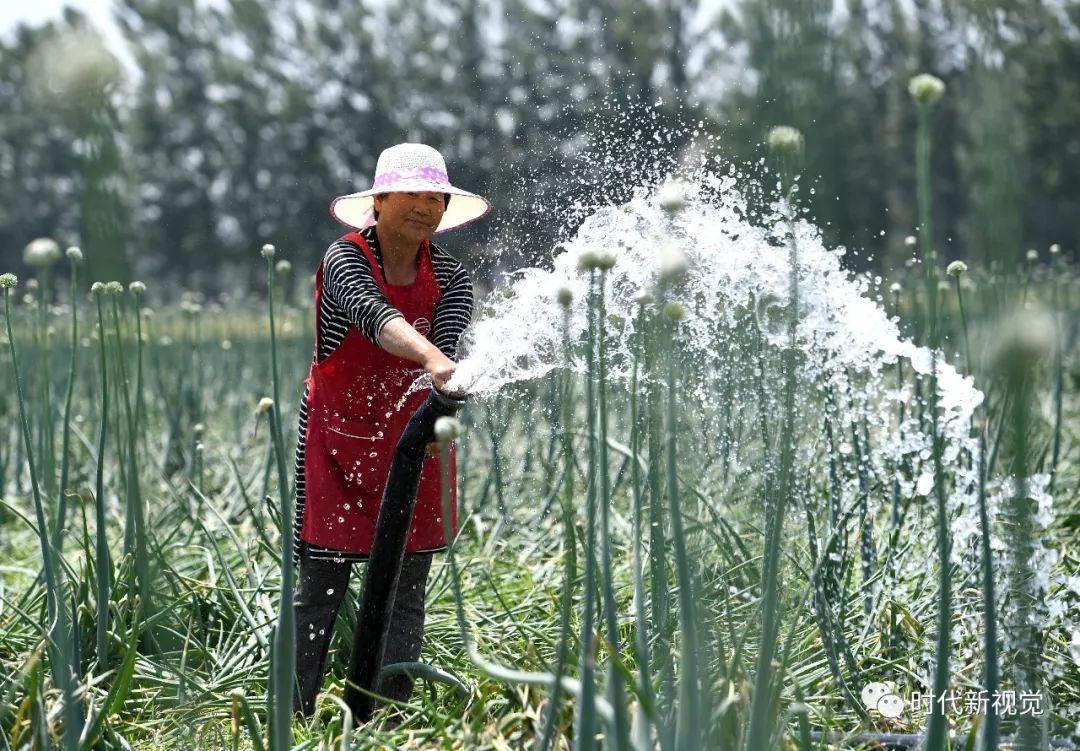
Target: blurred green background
{"x": 235, "y": 123}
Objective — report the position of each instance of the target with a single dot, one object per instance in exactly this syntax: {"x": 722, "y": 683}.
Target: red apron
{"x": 354, "y": 422}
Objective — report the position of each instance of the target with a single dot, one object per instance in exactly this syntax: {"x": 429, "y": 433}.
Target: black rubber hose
{"x": 387, "y": 551}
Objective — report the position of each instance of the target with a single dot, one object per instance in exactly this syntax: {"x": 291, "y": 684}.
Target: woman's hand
{"x": 399, "y": 338}
{"x": 441, "y": 369}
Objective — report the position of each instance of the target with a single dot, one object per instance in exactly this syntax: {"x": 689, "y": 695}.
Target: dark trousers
{"x": 320, "y": 589}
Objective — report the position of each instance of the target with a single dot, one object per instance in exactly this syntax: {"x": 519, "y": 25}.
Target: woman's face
{"x": 411, "y": 215}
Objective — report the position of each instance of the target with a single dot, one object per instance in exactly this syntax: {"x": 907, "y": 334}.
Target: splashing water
{"x": 738, "y": 271}
{"x": 849, "y": 350}
{"x": 732, "y": 264}
{"x": 855, "y": 367}
{"x": 736, "y": 268}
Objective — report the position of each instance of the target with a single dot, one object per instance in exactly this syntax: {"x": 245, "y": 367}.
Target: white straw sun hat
{"x": 410, "y": 167}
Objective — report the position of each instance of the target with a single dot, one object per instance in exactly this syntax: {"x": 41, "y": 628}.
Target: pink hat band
{"x": 427, "y": 174}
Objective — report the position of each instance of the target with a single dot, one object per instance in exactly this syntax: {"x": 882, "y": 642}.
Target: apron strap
{"x": 357, "y": 239}
{"x": 376, "y": 271}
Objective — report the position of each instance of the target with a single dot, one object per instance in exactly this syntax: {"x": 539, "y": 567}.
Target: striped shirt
{"x": 350, "y": 297}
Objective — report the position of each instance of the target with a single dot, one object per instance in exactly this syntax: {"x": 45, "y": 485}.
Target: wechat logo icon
{"x": 883, "y": 699}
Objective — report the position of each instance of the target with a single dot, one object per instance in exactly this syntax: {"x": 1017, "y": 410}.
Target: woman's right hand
{"x": 399, "y": 338}
{"x": 441, "y": 368}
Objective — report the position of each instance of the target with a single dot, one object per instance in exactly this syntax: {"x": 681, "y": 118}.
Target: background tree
{"x": 60, "y": 160}
{"x": 244, "y": 119}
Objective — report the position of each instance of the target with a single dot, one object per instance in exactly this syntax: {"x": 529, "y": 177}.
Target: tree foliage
{"x": 244, "y": 119}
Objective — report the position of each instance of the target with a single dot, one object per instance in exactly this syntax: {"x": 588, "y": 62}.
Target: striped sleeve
{"x": 301, "y": 480}
{"x": 350, "y": 284}
{"x": 454, "y": 310}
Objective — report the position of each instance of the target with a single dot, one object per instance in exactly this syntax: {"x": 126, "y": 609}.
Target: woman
{"x": 389, "y": 305}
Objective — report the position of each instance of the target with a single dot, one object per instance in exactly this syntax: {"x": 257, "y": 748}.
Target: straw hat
{"x": 410, "y": 167}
